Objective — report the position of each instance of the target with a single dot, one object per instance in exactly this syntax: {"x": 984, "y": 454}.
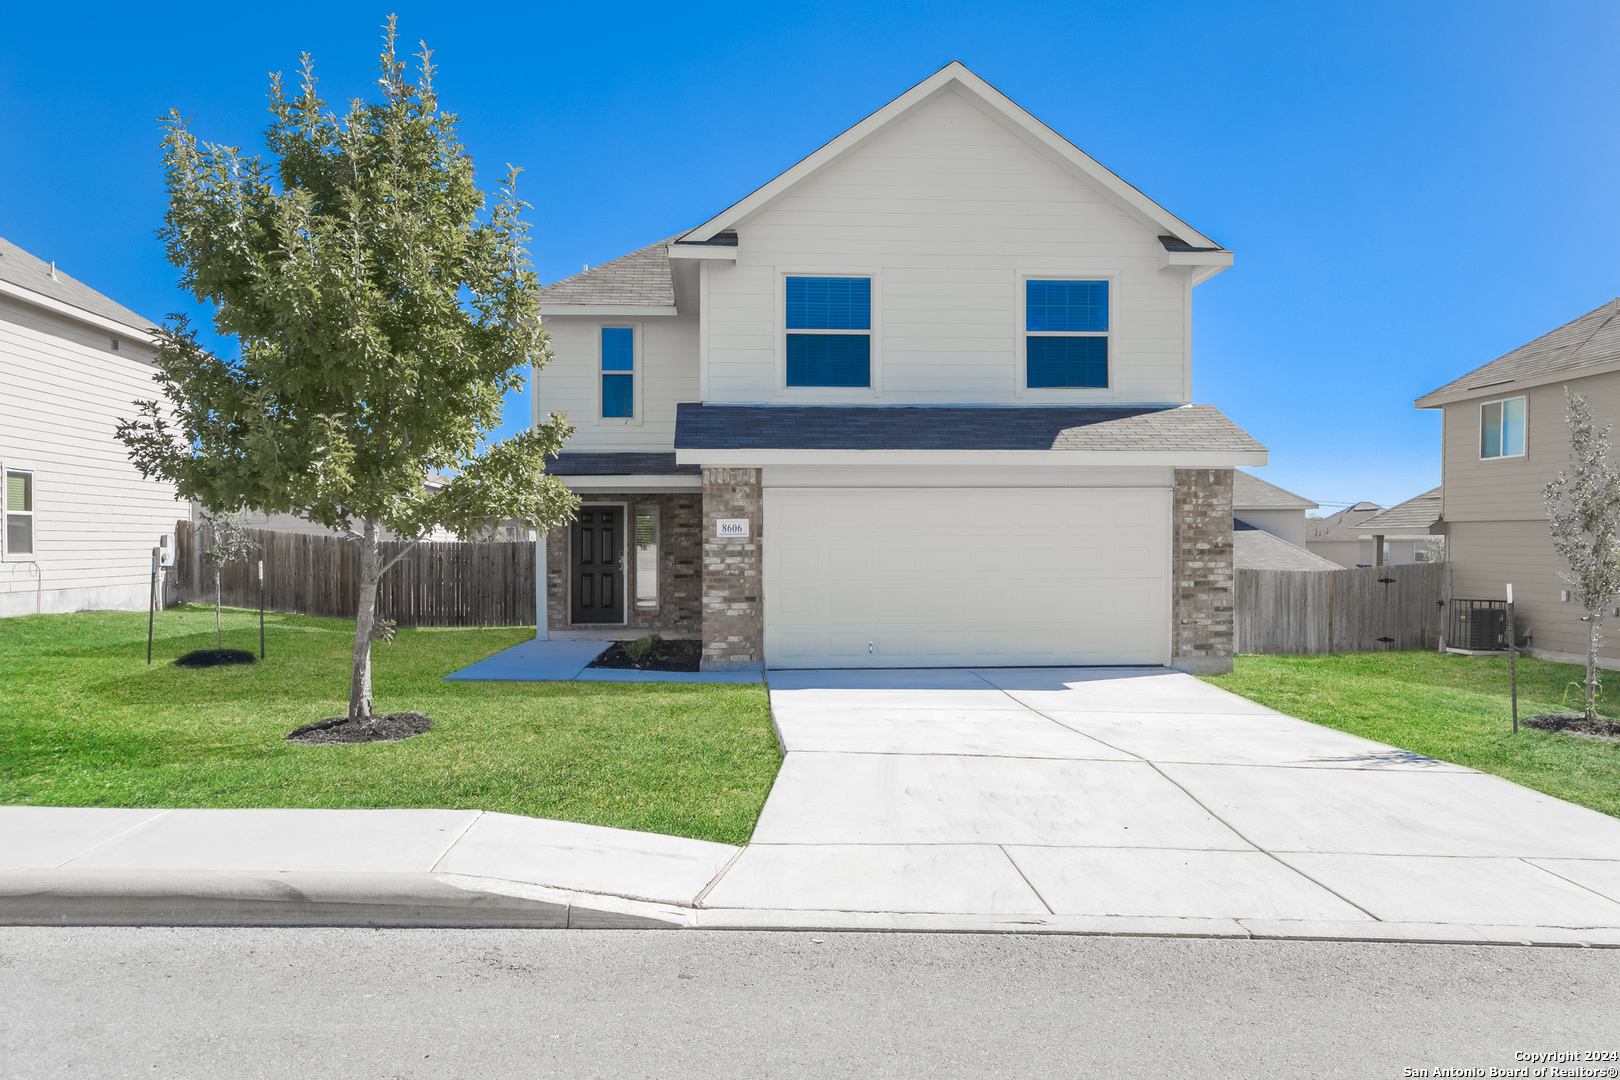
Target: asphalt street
{"x": 337, "y": 1003}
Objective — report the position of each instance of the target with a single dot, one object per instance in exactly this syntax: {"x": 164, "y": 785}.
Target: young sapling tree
{"x": 228, "y": 542}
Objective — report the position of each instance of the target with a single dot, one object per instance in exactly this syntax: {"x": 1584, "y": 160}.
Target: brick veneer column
{"x": 733, "y": 615}
{"x": 1201, "y": 563}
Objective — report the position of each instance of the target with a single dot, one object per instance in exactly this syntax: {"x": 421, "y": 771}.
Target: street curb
{"x": 245, "y": 898}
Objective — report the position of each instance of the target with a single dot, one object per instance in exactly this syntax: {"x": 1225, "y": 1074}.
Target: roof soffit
{"x": 956, "y": 76}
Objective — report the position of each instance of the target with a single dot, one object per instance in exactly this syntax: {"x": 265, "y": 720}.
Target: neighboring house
{"x": 1255, "y": 549}
{"x": 1503, "y": 438}
{"x": 1269, "y": 508}
{"x": 80, "y": 522}
{"x": 923, "y": 399}
{"x": 1405, "y": 532}
{"x": 1338, "y": 537}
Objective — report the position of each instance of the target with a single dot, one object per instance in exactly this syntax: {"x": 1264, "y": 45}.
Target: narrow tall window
{"x": 829, "y": 331}
{"x": 1501, "y": 428}
{"x": 618, "y": 371}
{"x": 646, "y": 557}
{"x": 19, "y": 512}
{"x": 1066, "y": 334}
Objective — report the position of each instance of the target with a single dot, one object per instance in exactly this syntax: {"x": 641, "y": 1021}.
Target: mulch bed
{"x": 1575, "y": 724}
{"x": 665, "y": 656}
{"x": 215, "y": 658}
{"x": 341, "y": 729}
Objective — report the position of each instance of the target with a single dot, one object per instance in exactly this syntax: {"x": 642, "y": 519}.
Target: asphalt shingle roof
{"x": 1592, "y": 339}
{"x": 1345, "y": 525}
{"x": 1254, "y": 549}
{"x": 585, "y": 463}
{"x": 808, "y": 427}
{"x": 641, "y": 277}
{"x": 20, "y": 268}
{"x": 1252, "y": 493}
{"x": 1417, "y": 513}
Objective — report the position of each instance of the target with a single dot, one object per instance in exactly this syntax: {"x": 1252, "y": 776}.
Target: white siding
{"x": 948, "y": 210}
{"x": 62, "y": 392}
{"x": 666, "y": 369}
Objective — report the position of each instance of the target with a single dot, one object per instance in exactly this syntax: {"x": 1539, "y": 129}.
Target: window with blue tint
{"x": 1068, "y": 361}
{"x": 1066, "y": 306}
{"x": 1065, "y": 334}
{"x": 829, "y": 360}
{"x": 1501, "y": 428}
{"x": 829, "y": 331}
{"x": 618, "y": 371}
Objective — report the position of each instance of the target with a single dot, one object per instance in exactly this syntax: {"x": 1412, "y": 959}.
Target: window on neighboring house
{"x": 1501, "y": 428}
{"x": 646, "y": 557}
{"x": 829, "y": 331}
{"x": 618, "y": 371}
{"x": 19, "y": 512}
{"x": 1065, "y": 334}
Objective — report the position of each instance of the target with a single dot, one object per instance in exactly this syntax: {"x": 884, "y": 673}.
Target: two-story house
{"x": 1503, "y": 437}
{"x": 924, "y": 399}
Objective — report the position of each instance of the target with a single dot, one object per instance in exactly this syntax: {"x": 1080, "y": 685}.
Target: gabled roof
{"x": 36, "y": 276}
{"x": 618, "y": 463}
{"x": 956, "y": 76}
{"x": 1345, "y": 525}
{"x": 1585, "y": 346}
{"x": 1254, "y": 549}
{"x": 641, "y": 277}
{"x": 1249, "y": 492}
{"x": 939, "y": 427}
{"x": 1416, "y": 515}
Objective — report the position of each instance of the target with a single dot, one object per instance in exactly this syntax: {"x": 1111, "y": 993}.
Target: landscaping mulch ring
{"x": 1576, "y": 724}
{"x": 215, "y": 658}
{"x": 664, "y": 656}
{"x": 341, "y": 729}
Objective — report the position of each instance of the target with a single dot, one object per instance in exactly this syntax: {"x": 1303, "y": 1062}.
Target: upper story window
{"x": 618, "y": 371}
{"x": 1501, "y": 428}
{"x": 1066, "y": 334}
{"x": 829, "y": 331}
{"x": 19, "y": 512}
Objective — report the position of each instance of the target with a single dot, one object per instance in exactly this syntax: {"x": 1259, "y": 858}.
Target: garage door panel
{"x": 966, "y": 576}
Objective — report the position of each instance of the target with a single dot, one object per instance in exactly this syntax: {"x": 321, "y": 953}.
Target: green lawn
{"x": 84, "y": 722}
{"x": 1451, "y": 707}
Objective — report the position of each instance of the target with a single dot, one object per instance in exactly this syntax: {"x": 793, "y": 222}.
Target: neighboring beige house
{"x": 1269, "y": 508}
{"x": 80, "y": 522}
{"x": 1405, "y": 532}
{"x": 1255, "y": 549}
{"x": 924, "y": 399}
{"x": 1338, "y": 537}
{"x": 1503, "y": 438}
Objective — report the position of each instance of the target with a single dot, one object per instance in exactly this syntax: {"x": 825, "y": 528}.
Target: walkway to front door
{"x": 597, "y": 558}
{"x": 1133, "y": 792}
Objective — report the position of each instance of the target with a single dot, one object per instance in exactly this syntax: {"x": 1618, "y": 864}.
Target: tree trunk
{"x": 365, "y": 618}
{"x": 1594, "y": 638}
{"x": 216, "y": 609}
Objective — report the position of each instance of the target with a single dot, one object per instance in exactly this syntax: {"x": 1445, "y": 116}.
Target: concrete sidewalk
{"x": 567, "y": 659}
{"x": 1122, "y": 801}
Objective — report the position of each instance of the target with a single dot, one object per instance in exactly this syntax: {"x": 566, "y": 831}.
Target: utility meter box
{"x": 166, "y": 549}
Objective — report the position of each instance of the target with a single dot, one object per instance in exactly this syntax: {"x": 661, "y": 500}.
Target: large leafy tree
{"x": 382, "y": 311}
{"x": 1583, "y": 511}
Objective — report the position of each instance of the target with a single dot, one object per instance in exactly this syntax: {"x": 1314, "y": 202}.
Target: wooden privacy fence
{"x": 435, "y": 584}
{"x": 1368, "y": 609}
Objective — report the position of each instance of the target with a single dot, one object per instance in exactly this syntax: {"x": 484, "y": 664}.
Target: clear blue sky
{"x": 1411, "y": 188}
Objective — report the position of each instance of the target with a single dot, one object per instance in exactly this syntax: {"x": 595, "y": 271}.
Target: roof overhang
{"x": 1178, "y": 459}
{"x": 1510, "y": 387}
{"x": 617, "y": 311}
{"x": 633, "y": 483}
{"x": 956, "y": 76}
{"x": 707, "y": 251}
{"x": 87, "y": 318}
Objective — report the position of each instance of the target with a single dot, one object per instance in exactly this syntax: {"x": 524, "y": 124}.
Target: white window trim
{"x": 624, "y": 565}
{"x": 1479, "y": 442}
{"x": 6, "y": 553}
{"x": 828, "y": 393}
{"x": 639, "y": 403}
{"x": 1021, "y": 333}
{"x": 658, "y": 556}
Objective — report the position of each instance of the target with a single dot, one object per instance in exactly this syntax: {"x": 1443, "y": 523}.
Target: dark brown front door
{"x": 598, "y": 554}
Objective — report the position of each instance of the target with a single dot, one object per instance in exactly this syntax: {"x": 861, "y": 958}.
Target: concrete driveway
{"x": 1142, "y": 794}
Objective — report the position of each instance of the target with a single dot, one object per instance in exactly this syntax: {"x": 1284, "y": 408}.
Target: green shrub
{"x": 640, "y": 647}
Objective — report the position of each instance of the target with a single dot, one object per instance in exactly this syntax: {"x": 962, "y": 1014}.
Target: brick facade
{"x": 680, "y": 552}
{"x": 733, "y": 608}
{"x": 1201, "y": 566}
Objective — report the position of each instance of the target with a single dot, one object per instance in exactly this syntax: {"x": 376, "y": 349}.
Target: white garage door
{"x": 944, "y": 577}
